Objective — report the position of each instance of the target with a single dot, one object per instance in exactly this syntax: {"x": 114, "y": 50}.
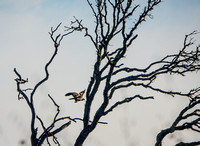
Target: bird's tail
{"x": 71, "y": 98}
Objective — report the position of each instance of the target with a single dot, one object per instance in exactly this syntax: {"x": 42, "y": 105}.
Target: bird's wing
{"x": 70, "y": 93}
{"x": 82, "y": 92}
{"x": 72, "y": 98}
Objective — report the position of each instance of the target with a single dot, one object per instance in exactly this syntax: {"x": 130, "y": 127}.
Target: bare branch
{"x": 128, "y": 99}
{"x": 21, "y": 94}
{"x": 107, "y": 28}
{"x": 181, "y": 63}
{"x": 116, "y": 20}
{"x": 188, "y": 144}
{"x": 183, "y": 117}
{"x": 48, "y": 63}
{"x": 58, "y": 107}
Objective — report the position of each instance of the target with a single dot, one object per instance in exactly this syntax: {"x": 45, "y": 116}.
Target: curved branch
{"x": 180, "y": 63}
{"x": 186, "y": 125}
{"x": 128, "y": 99}
{"x": 48, "y": 63}
{"x": 188, "y": 143}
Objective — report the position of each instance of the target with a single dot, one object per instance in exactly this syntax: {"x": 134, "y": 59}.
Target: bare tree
{"x": 115, "y": 19}
{"x": 188, "y": 118}
{"x": 51, "y": 130}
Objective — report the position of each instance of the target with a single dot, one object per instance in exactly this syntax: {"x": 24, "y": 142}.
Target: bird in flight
{"x": 76, "y": 96}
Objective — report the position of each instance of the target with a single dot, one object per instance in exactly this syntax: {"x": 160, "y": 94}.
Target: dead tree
{"x": 50, "y": 130}
{"x": 114, "y": 19}
{"x": 188, "y": 118}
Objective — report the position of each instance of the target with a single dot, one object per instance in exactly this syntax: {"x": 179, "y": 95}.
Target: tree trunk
{"x": 82, "y": 136}
{"x": 161, "y": 135}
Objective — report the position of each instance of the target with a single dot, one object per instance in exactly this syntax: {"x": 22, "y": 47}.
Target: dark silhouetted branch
{"x": 188, "y": 118}
{"x": 38, "y": 140}
{"x": 116, "y": 20}
{"x": 196, "y": 143}
{"x": 128, "y": 99}
{"x": 112, "y": 20}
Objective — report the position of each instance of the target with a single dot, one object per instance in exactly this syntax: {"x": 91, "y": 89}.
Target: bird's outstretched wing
{"x": 77, "y": 99}
{"x": 70, "y": 93}
{"x": 81, "y": 93}
{"x": 72, "y": 98}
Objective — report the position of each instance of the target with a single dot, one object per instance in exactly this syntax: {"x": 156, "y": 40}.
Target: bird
{"x": 76, "y": 96}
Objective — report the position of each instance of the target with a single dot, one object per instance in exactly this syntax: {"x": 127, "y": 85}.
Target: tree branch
{"x": 128, "y": 99}
{"x": 183, "y": 117}
{"x": 21, "y": 93}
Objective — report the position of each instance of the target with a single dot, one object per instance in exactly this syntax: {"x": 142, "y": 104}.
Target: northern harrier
{"x": 76, "y": 96}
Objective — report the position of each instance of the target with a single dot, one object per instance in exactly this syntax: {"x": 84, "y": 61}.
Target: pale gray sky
{"x": 26, "y": 45}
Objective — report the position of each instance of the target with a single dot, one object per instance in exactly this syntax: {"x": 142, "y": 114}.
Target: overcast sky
{"x": 26, "y": 45}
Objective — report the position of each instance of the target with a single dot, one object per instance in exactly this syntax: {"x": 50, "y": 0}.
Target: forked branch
{"x": 188, "y": 118}
{"x": 49, "y": 131}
